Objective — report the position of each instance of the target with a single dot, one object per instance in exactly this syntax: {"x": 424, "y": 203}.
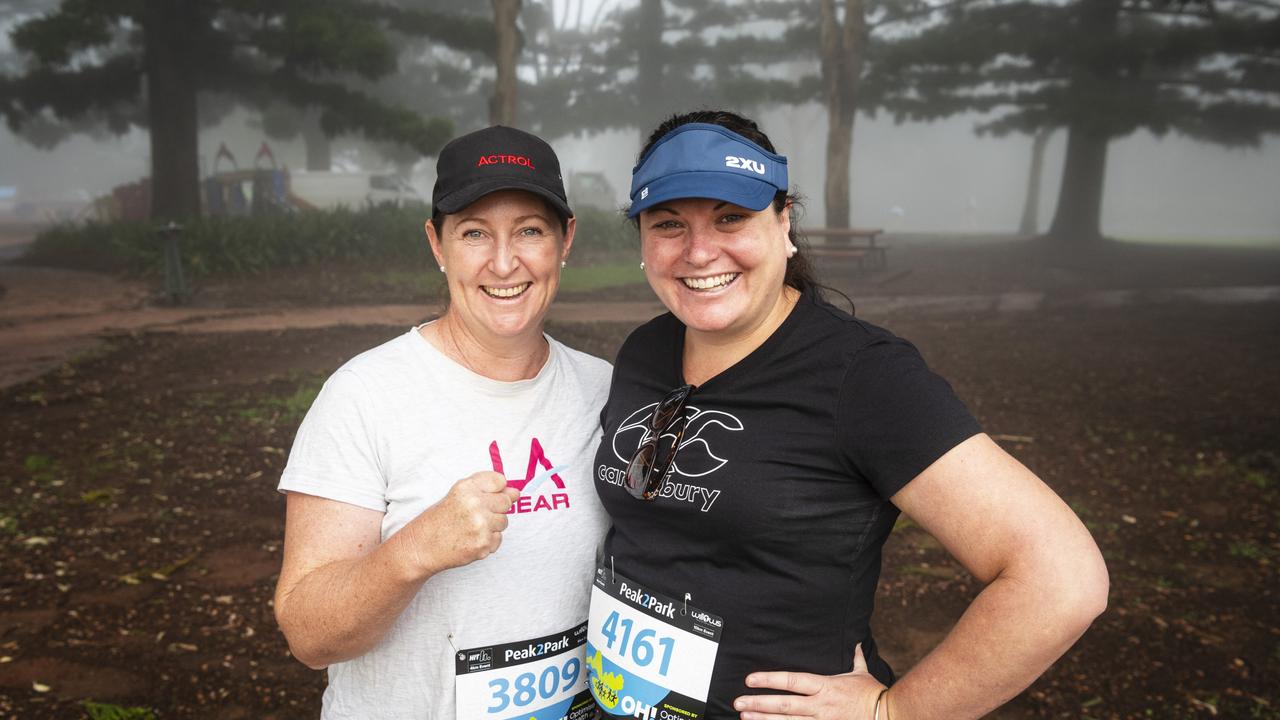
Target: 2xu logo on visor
{"x": 744, "y": 163}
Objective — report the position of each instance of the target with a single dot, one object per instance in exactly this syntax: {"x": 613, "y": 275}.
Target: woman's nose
{"x": 700, "y": 246}
{"x": 505, "y": 260}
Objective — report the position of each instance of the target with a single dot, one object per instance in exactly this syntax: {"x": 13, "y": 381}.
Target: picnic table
{"x": 853, "y": 243}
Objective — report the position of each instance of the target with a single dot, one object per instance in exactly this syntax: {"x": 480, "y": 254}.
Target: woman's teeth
{"x": 509, "y": 292}
{"x": 709, "y": 283}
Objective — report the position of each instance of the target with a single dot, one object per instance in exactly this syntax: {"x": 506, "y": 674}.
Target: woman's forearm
{"x": 341, "y": 610}
{"x": 1011, "y": 633}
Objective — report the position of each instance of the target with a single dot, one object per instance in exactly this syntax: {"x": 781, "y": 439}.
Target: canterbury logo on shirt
{"x": 545, "y": 496}
{"x": 696, "y": 458}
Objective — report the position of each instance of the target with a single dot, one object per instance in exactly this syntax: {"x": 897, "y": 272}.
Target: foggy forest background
{"x": 1148, "y": 119}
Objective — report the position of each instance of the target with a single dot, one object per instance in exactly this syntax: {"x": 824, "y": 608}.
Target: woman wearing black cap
{"x": 758, "y": 446}
{"x": 441, "y": 522}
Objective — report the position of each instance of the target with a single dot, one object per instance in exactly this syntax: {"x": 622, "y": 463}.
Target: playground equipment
{"x": 249, "y": 192}
{"x": 268, "y": 188}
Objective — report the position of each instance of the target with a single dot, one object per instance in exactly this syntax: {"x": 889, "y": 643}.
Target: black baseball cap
{"x": 492, "y": 159}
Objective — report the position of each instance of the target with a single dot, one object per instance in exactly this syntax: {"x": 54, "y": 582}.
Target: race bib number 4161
{"x": 543, "y": 678}
{"x": 649, "y": 656}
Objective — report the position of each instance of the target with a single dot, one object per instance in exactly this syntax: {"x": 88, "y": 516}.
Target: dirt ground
{"x": 141, "y": 529}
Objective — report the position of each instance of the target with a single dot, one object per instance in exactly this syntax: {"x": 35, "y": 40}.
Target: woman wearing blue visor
{"x": 758, "y": 445}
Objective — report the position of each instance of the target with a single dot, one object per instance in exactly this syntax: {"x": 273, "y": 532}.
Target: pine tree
{"x": 1102, "y": 69}
{"x": 146, "y": 63}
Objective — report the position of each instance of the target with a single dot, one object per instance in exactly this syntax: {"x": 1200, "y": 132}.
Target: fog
{"x": 911, "y": 178}
{"x": 929, "y": 178}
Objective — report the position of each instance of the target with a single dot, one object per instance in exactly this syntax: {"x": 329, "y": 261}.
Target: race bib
{"x": 543, "y": 678}
{"x": 648, "y": 656}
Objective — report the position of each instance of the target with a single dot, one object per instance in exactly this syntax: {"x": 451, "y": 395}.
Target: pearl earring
{"x": 563, "y": 264}
{"x": 442, "y": 269}
{"x": 642, "y": 265}
{"x": 792, "y": 250}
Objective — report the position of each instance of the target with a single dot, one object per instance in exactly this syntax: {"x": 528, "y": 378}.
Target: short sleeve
{"x": 896, "y": 416}
{"x": 335, "y": 452}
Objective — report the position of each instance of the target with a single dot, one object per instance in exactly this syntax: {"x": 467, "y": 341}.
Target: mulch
{"x": 142, "y": 532}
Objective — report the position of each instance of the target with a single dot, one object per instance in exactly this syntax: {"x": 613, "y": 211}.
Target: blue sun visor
{"x": 701, "y": 160}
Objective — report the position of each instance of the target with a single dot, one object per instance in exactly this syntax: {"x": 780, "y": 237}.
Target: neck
{"x": 707, "y": 354}
{"x": 503, "y": 359}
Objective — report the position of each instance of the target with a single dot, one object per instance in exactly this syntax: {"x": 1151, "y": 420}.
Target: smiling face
{"x": 502, "y": 255}
{"x": 718, "y": 267}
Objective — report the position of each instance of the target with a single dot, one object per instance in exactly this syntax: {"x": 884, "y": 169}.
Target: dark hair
{"x": 800, "y": 272}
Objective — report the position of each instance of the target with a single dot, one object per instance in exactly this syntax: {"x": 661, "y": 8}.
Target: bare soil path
{"x": 50, "y": 315}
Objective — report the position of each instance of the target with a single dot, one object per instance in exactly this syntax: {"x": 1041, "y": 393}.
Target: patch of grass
{"x": 107, "y": 711}
{"x": 288, "y": 409}
{"x": 904, "y": 523}
{"x": 42, "y": 468}
{"x": 1247, "y": 549}
{"x": 406, "y": 283}
{"x": 941, "y": 572}
{"x": 294, "y": 407}
{"x": 37, "y": 463}
{"x": 594, "y": 277}
{"x": 1259, "y": 468}
{"x": 100, "y": 496}
{"x": 1257, "y": 479}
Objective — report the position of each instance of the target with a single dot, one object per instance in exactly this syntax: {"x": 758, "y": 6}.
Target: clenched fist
{"x": 465, "y": 526}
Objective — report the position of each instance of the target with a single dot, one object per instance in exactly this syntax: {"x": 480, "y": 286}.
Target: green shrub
{"x": 605, "y": 234}
{"x": 377, "y": 237}
{"x": 238, "y": 246}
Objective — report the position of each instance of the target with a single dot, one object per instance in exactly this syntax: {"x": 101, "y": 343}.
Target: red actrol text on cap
{"x": 505, "y": 160}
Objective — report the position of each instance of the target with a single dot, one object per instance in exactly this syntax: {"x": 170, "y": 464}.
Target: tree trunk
{"x": 1078, "y": 217}
{"x": 842, "y": 52}
{"x": 319, "y": 148}
{"x": 1030, "y": 224}
{"x": 502, "y": 107}
{"x": 836, "y": 193}
{"x": 171, "y": 109}
{"x": 651, "y": 106}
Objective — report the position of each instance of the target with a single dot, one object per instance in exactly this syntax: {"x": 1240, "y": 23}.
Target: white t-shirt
{"x": 393, "y": 430}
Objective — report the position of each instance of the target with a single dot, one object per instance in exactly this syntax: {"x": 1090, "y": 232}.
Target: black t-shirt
{"x": 777, "y": 508}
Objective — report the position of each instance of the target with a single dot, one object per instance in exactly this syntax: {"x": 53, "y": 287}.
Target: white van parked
{"x": 352, "y": 189}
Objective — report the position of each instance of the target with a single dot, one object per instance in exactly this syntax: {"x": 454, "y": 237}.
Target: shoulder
{"x": 841, "y": 335}
{"x": 379, "y": 371}
{"x": 392, "y": 354}
{"x": 583, "y": 365}
{"x": 661, "y": 332}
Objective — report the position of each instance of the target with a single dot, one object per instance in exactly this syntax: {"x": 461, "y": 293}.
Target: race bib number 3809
{"x": 544, "y": 678}
{"x": 649, "y": 656}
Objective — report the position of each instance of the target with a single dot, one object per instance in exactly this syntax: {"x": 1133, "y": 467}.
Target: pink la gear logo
{"x": 527, "y": 503}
